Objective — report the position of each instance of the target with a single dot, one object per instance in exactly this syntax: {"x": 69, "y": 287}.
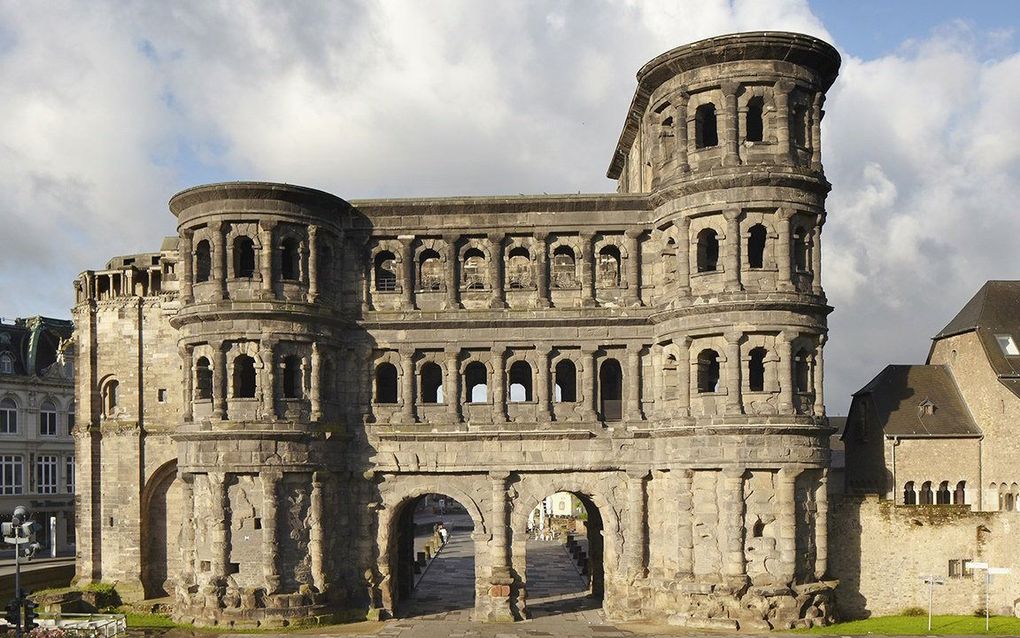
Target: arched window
{"x": 1002, "y": 496}
{"x": 802, "y": 371}
{"x": 708, "y": 371}
{"x": 705, "y": 133}
{"x": 325, "y": 267}
{"x": 708, "y": 250}
{"x": 476, "y": 382}
{"x": 756, "y": 246}
{"x": 609, "y": 267}
{"x": 755, "y": 120}
{"x": 756, "y": 370}
{"x": 909, "y": 495}
{"x": 518, "y": 268}
{"x": 6, "y": 363}
{"x": 244, "y": 377}
{"x": 431, "y": 383}
{"x": 290, "y": 259}
{"x": 203, "y": 261}
{"x": 943, "y": 496}
{"x": 670, "y": 378}
{"x": 800, "y": 249}
{"x": 430, "y": 270}
{"x": 109, "y": 397}
{"x": 566, "y": 381}
{"x": 520, "y": 382}
{"x": 611, "y": 390}
{"x": 8, "y": 417}
{"x": 48, "y": 419}
{"x": 203, "y": 379}
{"x": 960, "y": 493}
{"x": 799, "y": 124}
{"x": 475, "y": 269}
{"x": 293, "y": 378}
{"x": 564, "y": 270}
{"x": 385, "y": 271}
{"x": 244, "y": 257}
{"x": 386, "y": 383}
{"x": 927, "y": 498}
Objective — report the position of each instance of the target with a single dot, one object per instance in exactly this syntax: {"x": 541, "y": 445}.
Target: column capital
{"x": 822, "y": 338}
{"x": 451, "y": 238}
{"x": 313, "y": 230}
{"x": 788, "y": 336}
{"x": 637, "y": 474}
{"x": 452, "y": 352}
{"x": 733, "y": 337}
{"x": 215, "y": 226}
{"x": 729, "y": 88}
{"x": 267, "y": 224}
{"x": 499, "y": 475}
{"x": 495, "y": 238}
{"x": 734, "y": 472}
{"x": 541, "y": 235}
{"x": 784, "y": 86}
{"x": 633, "y": 233}
{"x": 498, "y": 351}
{"x": 406, "y": 351}
{"x": 589, "y": 350}
{"x": 732, "y": 214}
{"x": 784, "y": 213}
{"x": 681, "y": 93}
{"x": 187, "y": 233}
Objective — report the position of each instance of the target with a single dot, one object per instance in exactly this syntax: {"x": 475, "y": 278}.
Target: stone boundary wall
{"x": 880, "y": 552}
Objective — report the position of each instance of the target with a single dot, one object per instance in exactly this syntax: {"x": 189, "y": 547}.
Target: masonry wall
{"x": 881, "y": 552}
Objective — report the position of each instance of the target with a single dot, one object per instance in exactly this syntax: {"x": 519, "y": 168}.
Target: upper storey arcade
{"x": 740, "y": 100}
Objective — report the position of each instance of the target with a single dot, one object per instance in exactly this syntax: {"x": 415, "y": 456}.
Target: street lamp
{"x": 989, "y": 572}
{"x": 20, "y": 531}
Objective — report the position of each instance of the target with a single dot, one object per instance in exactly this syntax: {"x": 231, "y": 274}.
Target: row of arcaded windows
{"x": 708, "y": 372}
{"x": 520, "y": 388}
{"x": 1009, "y": 496}
{"x": 244, "y": 261}
{"x": 520, "y": 272}
{"x": 942, "y": 495}
{"x": 757, "y": 240}
{"x": 244, "y": 378}
{"x": 706, "y": 126}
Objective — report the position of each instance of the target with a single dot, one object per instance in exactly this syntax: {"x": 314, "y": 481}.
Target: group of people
{"x": 440, "y": 530}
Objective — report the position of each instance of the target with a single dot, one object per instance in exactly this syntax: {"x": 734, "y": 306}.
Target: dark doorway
{"x": 434, "y": 578}
{"x": 564, "y": 566}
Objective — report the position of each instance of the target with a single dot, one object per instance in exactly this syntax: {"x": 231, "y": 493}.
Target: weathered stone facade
{"x": 294, "y": 370}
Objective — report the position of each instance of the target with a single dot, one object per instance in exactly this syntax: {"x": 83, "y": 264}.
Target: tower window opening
{"x": 800, "y": 249}
{"x": 244, "y": 377}
{"x": 431, "y": 383}
{"x": 203, "y": 379}
{"x": 756, "y": 246}
{"x": 609, "y": 267}
{"x": 705, "y": 132}
{"x": 909, "y": 494}
{"x": 943, "y": 496}
{"x": 708, "y": 250}
{"x": 290, "y": 259}
{"x": 518, "y": 269}
{"x": 756, "y": 370}
{"x": 708, "y": 371}
{"x": 611, "y": 390}
{"x": 293, "y": 378}
{"x": 520, "y": 382}
{"x": 927, "y": 497}
{"x": 430, "y": 270}
{"x": 477, "y": 384}
{"x": 325, "y": 268}
{"x": 476, "y": 270}
{"x": 564, "y": 268}
{"x": 566, "y": 382}
{"x": 203, "y": 261}
{"x": 110, "y": 397}
{"x": 385, "y": 383}
{"x": 960, "y": 493}
{"x": 799, "y": 124}
{"x": 244, "y": 257}
{"x": 802, "y": 371}
{"x": 385, "y": 272}
{"x": 755, "y": 120}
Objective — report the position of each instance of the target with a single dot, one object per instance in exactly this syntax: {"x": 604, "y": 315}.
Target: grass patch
{"x": 140, "y": 620}
{"x": 918, "y": 625}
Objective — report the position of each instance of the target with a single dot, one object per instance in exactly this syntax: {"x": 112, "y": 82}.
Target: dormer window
{"x": 1008, "y": 345}
{"x": 926, "y": 408}
{"x": 6, "y": 363}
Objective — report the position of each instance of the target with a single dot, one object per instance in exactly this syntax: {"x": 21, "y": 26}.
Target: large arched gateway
{"x": 313, "y": 367}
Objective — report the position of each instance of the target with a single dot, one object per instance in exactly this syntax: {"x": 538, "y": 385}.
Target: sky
{"x": 107, "y": 108}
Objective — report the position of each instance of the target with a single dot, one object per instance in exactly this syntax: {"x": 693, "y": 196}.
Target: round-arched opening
{"x": 385, "y": 272}
{"x": 244, "y": 377}
{"x": 476, "y": 382}
{"x": 430, "y": 270}
{"x": 611, "y": 390}
{"x": 244, "y": 257}
{"x": 386, "y": 383}
{"x": 564, "y": 556}
{"x": 708, "y": 250}
{"x": 432, "y": 556}
{"x": 520, "y": 382}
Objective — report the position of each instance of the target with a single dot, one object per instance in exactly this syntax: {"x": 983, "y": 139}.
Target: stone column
{"x": 500, "y": 578}
{"x": 219, "y": 410}
{"x": 186, "y": 255}
{"x": 816, "y": 256}
{"x": 819, "y": 377}
{"x": 270, "y": 543}
{"x": 544, "y": 393}
{"x": 822, "y": 526}
{"x": 129, "y": 282}
{"x": 637, "y": 533}
{"x": 187, "y": 353}
{"x": 816, "y": 131}
{"x": 733, "y": 249}
{"x": 784, "y": 343}
{"x": 632, "y": 377}
{"x": 685, "y": 523}
{"x": 733, "y": 495}
{"x": 587, "y": 270}
{"x": 730, "y": 137}
{"x": 315, "y": 386}
{"x": 266, "y": 227}
{"x": 498, "y": 384}
{"x": 407, "y": 283}
{"x": 313, "y": 263}
{"x": 734, "y": 397}
{"x": 452, "y": 383}
{"x": 497, "y": 297}
{"x": 683, "y": 262}
{"x": 316, "y": 549}
{"x": 407, "y": 383}
{"x": 782, "y": 97}
{"x": 542, "y": 270}
{"x": 632, "y": 295}
{"x": 187, "y": 547}
{"x": 683, "y": 383}
{"x": 452, "y": 282}
{"x": 786, "y": 515}
{"x": 219, "y": 528}
{"x": 680, "y": 122}
{"x": 589, "y": 360}
{"x": 219, "y": 257}
{"x": 784, "y": 278}
{"x": 658, "y": 355}
{"x": 269, "y": 377}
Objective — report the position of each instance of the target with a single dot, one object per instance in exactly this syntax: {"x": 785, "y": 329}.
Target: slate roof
{"x": 893, "y": 402}
{"x": 33, "y": 342}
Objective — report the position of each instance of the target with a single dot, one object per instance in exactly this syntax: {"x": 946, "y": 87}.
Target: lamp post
{"x": 931, "y": 581}
{"x": 18, "y": 532}
{"x": 989, "y": 572}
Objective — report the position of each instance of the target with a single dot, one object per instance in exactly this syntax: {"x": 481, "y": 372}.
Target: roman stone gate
{"x": 311, "y": 366}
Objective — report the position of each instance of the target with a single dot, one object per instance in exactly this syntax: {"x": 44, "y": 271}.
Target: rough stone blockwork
{"x": 264, "y": 399}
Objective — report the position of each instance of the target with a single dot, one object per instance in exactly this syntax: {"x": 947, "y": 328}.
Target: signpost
{"x": 20, "y": 531}
{"x": 931, "y": 581}
{"x": 989, "y": 572}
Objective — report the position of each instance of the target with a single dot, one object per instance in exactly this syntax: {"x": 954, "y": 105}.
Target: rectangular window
{"x": 11, "y": 474}
{"x": 958, "y": 568}
{"x": 48, "y": 423}
{"x": 1007, "y": 344}
{"x": 161, "y": 395}
{"x": 70, "y": 423}
{"x": 69, "y": 475}
{"x": 8, "y": 417}
{"x": 46, "y": 474}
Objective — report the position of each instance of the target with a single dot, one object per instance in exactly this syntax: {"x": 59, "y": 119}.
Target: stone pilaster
{"x": 637, "y": 534}
{"x": 786, "y": 514}
{"x": 185, "y": 252}
{"x": 544, "y": 391}
{"x": 452, "y": 384}
{"x": 734, "y": 564}
{"x": 589, "y": 393}
{"x": 316, "y": 542}
{"x": 452, "y": 283}
{"x": 784, "y": 343}
{"x": 683, "y": 366}
{"x": 680, "y": 122}
{"x": 734, "y": 396}
{"x": 407, "y": 272}
{"x": 816, "y": 256}
{"x": 632, "y": 295}
{"x": 542, "y": 270}
{"x": 587, "y": 270}
{"x": 499, "y": 385}
{"x": 315, "y": 386}
{"x": 685, "y": 523}
{"x": 822, "y": 526}
{"x": 407, "y": 383}
{"x": 816, "y": 131}
{"x": 187, "y": 547}
{"x": 219, "y": 410}
{"x": 782, "y": 97}
{"x": 500, "y": 578}
{"x": 266, "y": 256}
{"x": 784, "y": 278}
{"x": 219, "y": 527}
{"x": 730, "y": 138}
{"x": 683, "y": 261}
{"x": 496, "y": 264}
{"x": 268, "y": 376}
{"x": 313, "y": 264}
{"x": 733, "y": 249}
{"x": 270, "y": 542}
{"x": 219, "y": 258}
{"x": 632, "y": 379}
{"x": 819, "y": 377}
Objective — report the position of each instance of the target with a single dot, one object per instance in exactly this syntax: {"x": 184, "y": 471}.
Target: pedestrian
{"x": 444, "y": 534}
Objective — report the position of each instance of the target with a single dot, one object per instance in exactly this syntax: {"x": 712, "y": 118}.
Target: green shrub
{"x": 914, "y": 611}
{"x": 106, "y": 595}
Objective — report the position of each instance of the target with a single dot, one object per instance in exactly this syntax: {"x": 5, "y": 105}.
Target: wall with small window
{"x": 708, "y": 376}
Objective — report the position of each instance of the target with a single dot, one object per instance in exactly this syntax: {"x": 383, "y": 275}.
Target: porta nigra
{"x": 261, "y": 401}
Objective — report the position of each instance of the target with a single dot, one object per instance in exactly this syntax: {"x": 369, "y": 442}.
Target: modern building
{"x": 36, "y": 421}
